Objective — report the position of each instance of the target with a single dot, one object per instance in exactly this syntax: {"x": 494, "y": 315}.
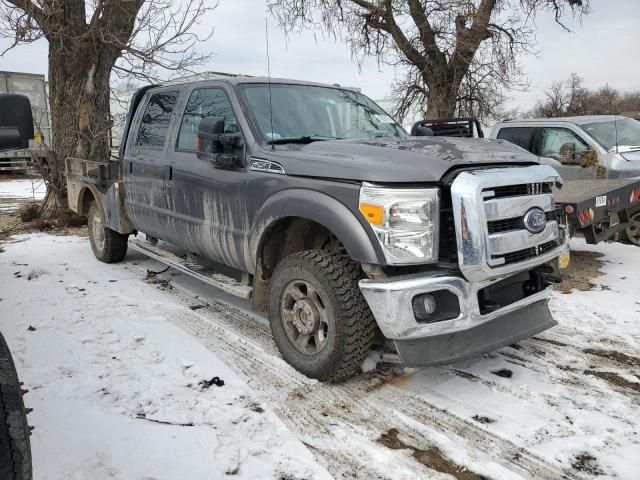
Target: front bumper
{"x": 469, "y": 334}
{"x": 498, "y": 286}
{"x": 504, "y": 330}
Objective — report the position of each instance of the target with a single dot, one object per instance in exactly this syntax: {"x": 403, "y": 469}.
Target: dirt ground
{"x": 10, "y": 224}
{"x": 583, "y": 269}
{"x": 13, "y": 203}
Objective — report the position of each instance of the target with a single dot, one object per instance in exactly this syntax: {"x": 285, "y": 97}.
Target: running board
{"x": 195, "y": 270}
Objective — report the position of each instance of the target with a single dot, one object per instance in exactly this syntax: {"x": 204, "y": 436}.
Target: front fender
{"x": 322, "y": 209}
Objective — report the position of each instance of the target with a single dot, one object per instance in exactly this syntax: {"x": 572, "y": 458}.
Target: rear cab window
{"x": 154, "y": 124}
{"x": 521, "y": 136}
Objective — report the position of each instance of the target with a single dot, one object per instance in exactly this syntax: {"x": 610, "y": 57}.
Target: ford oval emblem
{"x": 535, "y": 220}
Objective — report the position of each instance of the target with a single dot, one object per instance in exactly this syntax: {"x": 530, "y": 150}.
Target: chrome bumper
{"x": 390, "y": 301}
{"x": 471, "y": 333}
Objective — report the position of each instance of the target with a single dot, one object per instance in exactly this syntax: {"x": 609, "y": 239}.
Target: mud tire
{"x": 15, "y": 447}
{"x": 352, "y": 327}
{"x": 108, "y": 245}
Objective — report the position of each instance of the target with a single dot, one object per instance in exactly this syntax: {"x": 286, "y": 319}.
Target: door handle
{"x": 168, "y": 178}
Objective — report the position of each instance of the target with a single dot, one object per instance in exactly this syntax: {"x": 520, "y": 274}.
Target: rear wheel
{"x": 15, "y": 448}
{"x": 319, "y": 319}
{"x": 633, "y": 230}
{"x": 108, "y": 245}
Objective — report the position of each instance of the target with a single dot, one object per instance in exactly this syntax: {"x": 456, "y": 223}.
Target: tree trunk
{"x": 443, "y": 93}
{"x": 79, "y": 104}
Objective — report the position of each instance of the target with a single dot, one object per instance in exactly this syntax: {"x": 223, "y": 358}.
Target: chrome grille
{"x": 517, "y": 223}
{"x": 508, "y": 241}
{"x": 489, "y": 211}
{"x": 522, "y": 189}
{"x": 531, "y": 252}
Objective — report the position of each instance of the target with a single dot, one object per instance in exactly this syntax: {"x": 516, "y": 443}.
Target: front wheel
{"x": 320, "y": 321}
{"x": 108, "y": 245}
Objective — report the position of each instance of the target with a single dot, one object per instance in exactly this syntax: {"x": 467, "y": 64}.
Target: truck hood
{"x": 631, "y": 155}
{"x": 416, "y": 159}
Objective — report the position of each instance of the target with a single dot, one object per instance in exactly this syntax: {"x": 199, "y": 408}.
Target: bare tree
{"x": 570, "y": 97}
{"x": 449, "y": 52}
{"x": 563, "y": 98}
{"x": 554, "y": 103}
{"x": 88, "y": 41}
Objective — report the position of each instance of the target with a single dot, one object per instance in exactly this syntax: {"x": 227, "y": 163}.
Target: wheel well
{"x": 281, "y": 239}
{"x": 85, "y": 201}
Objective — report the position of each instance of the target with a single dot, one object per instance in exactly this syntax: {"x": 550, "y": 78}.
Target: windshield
{"x": 628, "y": 134}
{"x": 316, "y": 113}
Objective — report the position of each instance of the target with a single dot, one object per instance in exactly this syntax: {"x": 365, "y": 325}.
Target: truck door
{"x": 207, "y": 205}
{"x": 144, "y": 163}
{"x": 575, "y": 159}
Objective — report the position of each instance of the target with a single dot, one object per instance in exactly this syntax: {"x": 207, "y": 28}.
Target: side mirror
{"x": 16, "y": 121}
{"x": 216, "y": 146}
{"x": 422, "y": 132}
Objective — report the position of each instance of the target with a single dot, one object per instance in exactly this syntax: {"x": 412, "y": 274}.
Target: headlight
{"x": 405, "y": 220}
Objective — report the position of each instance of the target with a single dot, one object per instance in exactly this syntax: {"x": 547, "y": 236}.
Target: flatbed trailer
{"x": 599, "y": 208}
{"x": 19, "y": 160}
{"x": 14, "y": 161}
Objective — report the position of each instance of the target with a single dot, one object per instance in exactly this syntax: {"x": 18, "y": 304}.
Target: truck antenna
{"x": 266, "y": 33}
{"x": 615, "y": 126}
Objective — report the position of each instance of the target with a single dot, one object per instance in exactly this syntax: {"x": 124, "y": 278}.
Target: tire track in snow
{"x": 341, "y": 422}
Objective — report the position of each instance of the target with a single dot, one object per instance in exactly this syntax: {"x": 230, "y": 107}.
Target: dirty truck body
{"x": 347, "y": 231}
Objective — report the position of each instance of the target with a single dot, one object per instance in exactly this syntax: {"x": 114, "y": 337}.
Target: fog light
{"x": 435, "y": 306}
{"x": 429, "y": 304}
{"x": 424, "y": 306}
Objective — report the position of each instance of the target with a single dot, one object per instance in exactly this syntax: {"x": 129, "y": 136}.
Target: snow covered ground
{"x": 573, "y": 392}
{"x": 18, "y": 191}
{"x": 113, "y": 358}
{"x": 114, "y": 364}
{"x": 115, "y": 385}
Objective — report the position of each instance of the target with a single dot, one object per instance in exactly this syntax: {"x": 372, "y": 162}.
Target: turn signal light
{"x": 373, "y": 213}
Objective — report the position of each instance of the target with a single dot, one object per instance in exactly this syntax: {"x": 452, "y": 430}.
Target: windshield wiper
{"x": 305, "y": 139}
{"x": 624, "y": 148}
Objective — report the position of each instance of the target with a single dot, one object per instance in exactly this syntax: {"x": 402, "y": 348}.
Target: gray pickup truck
{"x": 332, "y": 219}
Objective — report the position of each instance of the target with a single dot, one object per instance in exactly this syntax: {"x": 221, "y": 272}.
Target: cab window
{"x": 563, "y": 145}
{"x": 155, "y": 120}
{"x": 521, "y": 136}
{"x": 206, "y": 102}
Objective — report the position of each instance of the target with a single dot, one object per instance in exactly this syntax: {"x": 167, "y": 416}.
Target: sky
{"x": 599, "y": 49}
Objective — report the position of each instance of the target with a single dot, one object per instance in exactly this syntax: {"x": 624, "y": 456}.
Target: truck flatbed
{"x": 578, "y": 191}
{"x": 599, "y": 208}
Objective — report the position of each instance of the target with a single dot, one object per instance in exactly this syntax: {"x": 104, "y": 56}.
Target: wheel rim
{"x": 633, "y": 230}
{"x": 97, "y": 230}
{"x": 304, "y": 317}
